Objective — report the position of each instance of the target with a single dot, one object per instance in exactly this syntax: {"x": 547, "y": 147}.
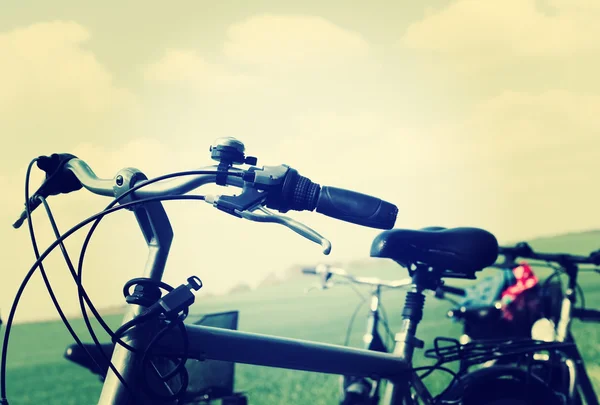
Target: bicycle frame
{"x": 263, "y": 350}
{"x": 242, "y": 347}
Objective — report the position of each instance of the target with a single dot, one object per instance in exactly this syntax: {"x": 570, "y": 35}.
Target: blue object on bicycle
{"x": 485, "y": 293}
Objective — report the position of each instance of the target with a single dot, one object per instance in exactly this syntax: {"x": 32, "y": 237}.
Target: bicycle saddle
{"x": 463, "y": 250}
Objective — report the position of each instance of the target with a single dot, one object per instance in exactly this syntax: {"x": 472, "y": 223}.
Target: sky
{"x": 462, "y": 113}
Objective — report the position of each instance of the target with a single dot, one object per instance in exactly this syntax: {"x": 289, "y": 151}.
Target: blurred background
{"x": 462, "y": 113}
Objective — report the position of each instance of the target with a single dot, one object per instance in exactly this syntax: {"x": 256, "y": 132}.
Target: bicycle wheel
{"x": 502, "y": 385}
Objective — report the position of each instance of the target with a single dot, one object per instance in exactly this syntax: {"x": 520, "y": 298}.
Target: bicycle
{"x": 569, "y": 370}
{"x": 501, "y": 306}
{"x": 361, "y": 390}
{"x": 139, "y": 370}
{"x": 481, "y": 312}
{"x": 546, "y": 316}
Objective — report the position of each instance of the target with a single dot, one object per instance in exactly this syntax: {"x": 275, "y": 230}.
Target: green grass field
{"x": 38, "y": 374}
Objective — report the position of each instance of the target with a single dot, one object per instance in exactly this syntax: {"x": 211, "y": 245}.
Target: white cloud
{"x": 529, "y": 159}
{"x": 476, "y": 32}
{"x": 360, "y": 142}
{"x": 187, "y": 66}
{"x": 55, "y": 92}
{"x": 45, "y": 62}
{"x": 519, "y": 121}
{"x": 278, "y": 42}
{"x": 264, "y": 48}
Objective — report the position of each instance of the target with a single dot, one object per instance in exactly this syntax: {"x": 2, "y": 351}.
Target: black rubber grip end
{"x": 360, "y": 209}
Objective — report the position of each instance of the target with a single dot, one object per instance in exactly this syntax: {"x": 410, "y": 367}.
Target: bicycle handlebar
{"x": 278, "y": 187}
{"x": 586, "y": 315}
{"x": 525, "y": 251}
{"x": 176, "y": 186}
{"x": 76, "y": 170}
{"x": 328, "y": 271}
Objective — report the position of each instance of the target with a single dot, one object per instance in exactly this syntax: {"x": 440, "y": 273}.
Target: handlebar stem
{"x": 158, "y": 233}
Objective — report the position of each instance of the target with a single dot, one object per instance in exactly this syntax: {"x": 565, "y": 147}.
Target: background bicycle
{"x": 377, "y": 334}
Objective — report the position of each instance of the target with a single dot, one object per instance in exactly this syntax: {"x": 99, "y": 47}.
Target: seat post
{"x": 424, "y": 278}
{"x": 412, "y": 314}
{"x": 406, "y": 340}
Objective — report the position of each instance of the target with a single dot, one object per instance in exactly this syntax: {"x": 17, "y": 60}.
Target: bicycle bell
{"x": 230, "y": 151}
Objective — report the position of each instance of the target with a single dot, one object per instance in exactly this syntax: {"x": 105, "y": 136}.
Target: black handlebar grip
{"x": 360, "y": 209}
{"x": 299, "y": 193}
{"x": 586, "y": 315}
{"x": 521, "y": 249}
{"x": 309, "y": 270}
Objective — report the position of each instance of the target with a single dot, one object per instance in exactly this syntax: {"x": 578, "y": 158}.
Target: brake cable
{"x": 45, "y": 254}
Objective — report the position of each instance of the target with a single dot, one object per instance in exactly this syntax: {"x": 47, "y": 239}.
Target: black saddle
{"x": 459, "y": 250}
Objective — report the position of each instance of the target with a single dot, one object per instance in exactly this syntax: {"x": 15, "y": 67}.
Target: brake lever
{"x": 58, "y": 180}
{"x": 292, "y": 224}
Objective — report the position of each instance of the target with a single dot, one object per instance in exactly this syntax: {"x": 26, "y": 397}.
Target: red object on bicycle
{"x": 525, "y": 279}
